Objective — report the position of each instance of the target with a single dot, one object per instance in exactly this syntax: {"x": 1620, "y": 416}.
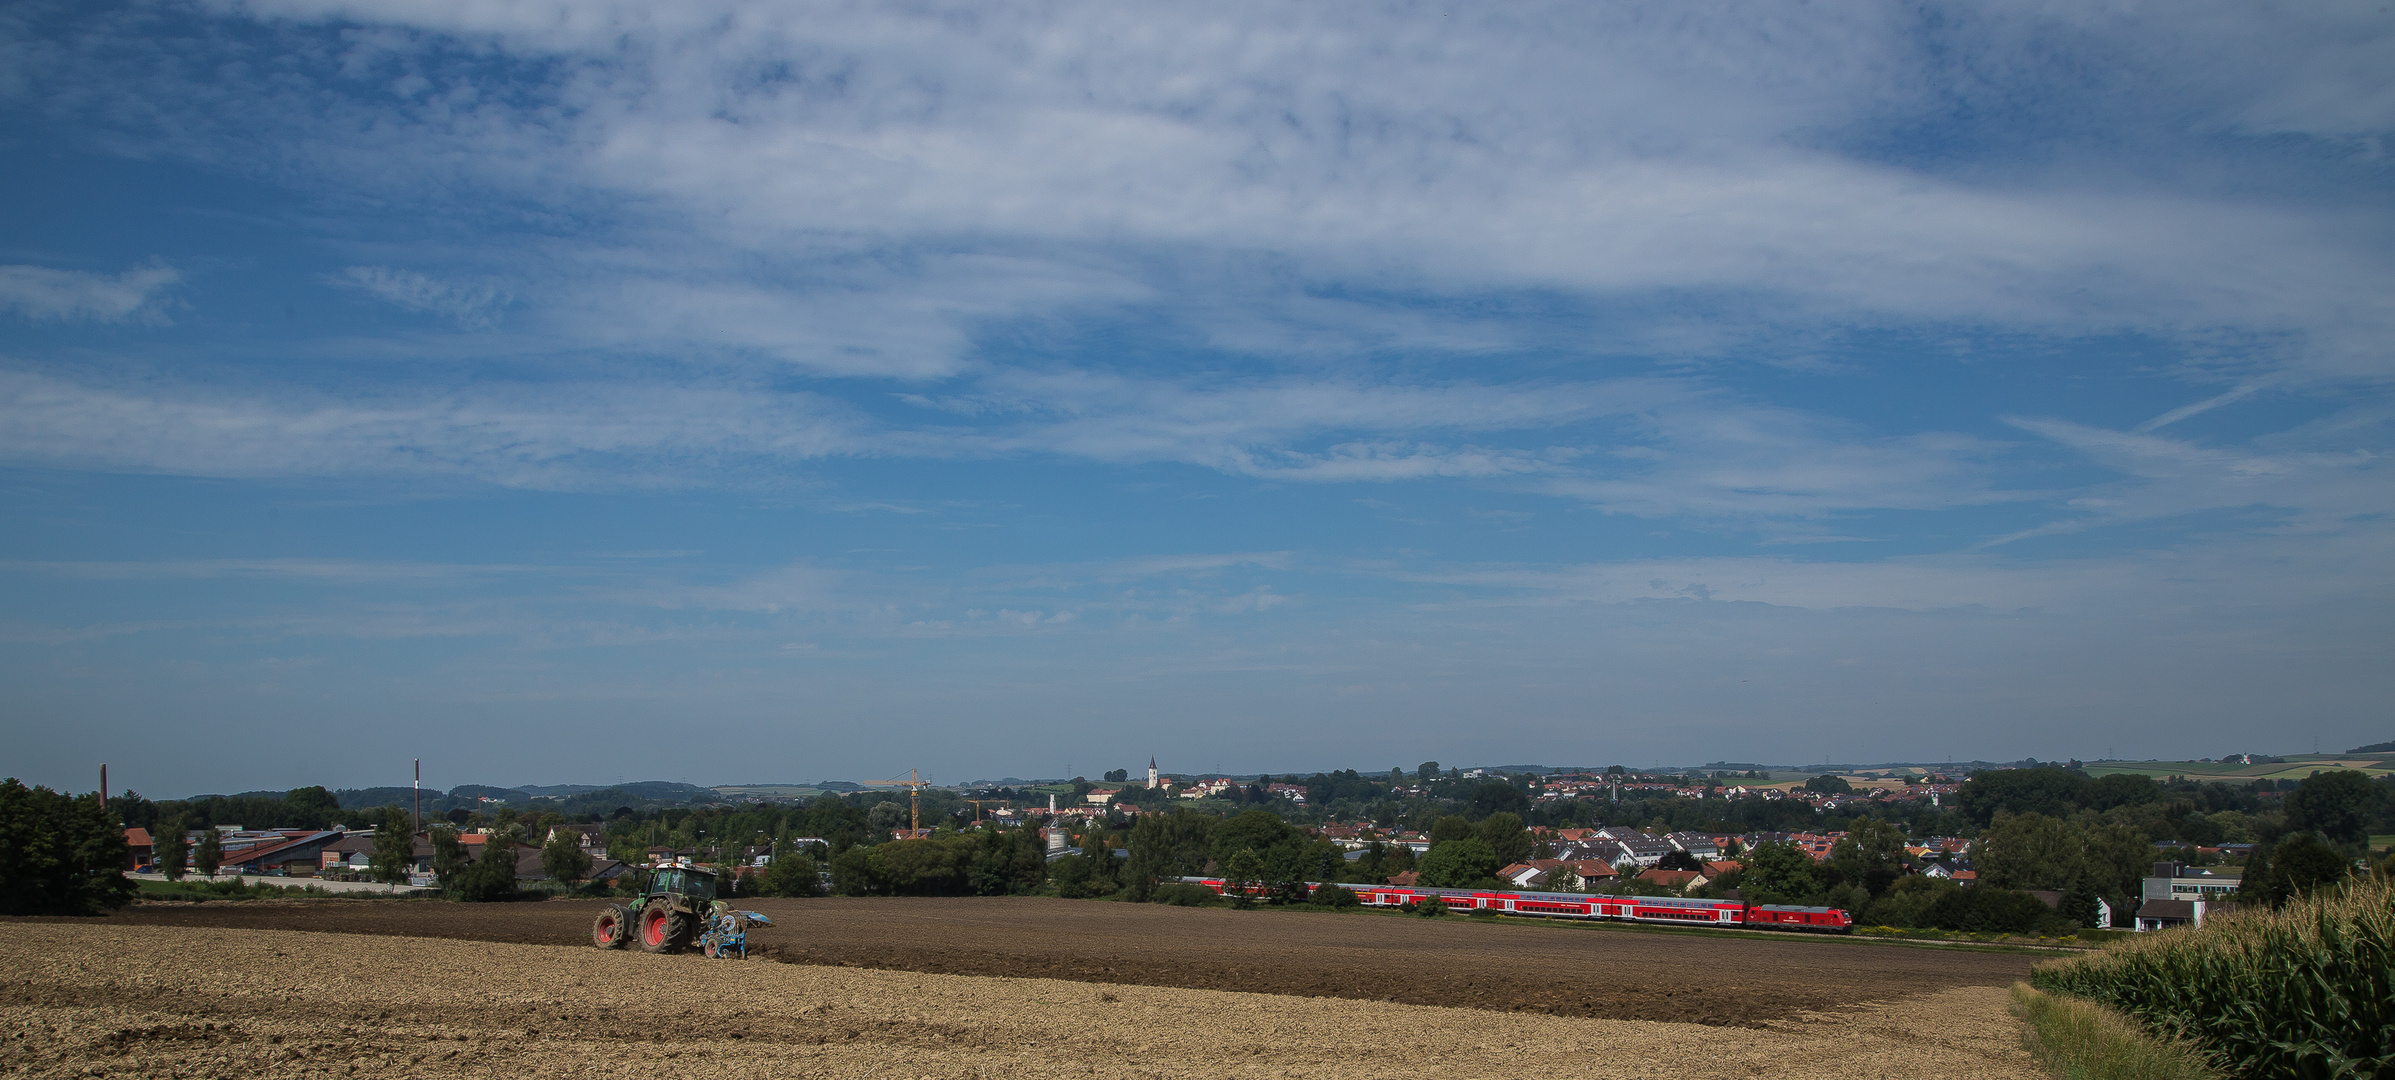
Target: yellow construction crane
{"x": 914, "y": 786}
{"x": 978, "y": 804}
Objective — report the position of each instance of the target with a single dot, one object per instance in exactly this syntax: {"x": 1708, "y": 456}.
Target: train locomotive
{"x": 1652, "y": 909}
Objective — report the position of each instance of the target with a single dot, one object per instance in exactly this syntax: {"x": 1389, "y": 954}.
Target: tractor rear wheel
{"x": 662, "y": 929}
{"x": 613, "y": 925}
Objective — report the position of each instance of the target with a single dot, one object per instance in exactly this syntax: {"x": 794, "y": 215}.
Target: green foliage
{"x": 170, "y": 848}
{"x": 449, "y": 862}
{"x": 852, "y": 872}
{"x": 1505, "y": 835}
{"x": 2049, "y": 791}
{"x": 563, "y": 859}
{"x": 984, "y": 862}
{"x": 492, "y": 877}
{"x": 1166, "y": 846}
{"x": 1333, "y": 896}
{"x": 1183, "y": 894}
{"x": 2122, "y": 789}
{"x": 1780, "y": 873}
{"x": 1829, "y": 785}
{"x": 309, "y": 808}
{"x": 2336, "y": 804}
{"x": 1451, "y": 827}
{"x": 1468, "y": 863}
{"x": 1499, "y": 797}
{"x": 59, "y": 854}
{"x": 1241, "y": 874}
{"x": 2305, "y": 991}
{"x": 1871, "y": 856}
{"x": 1907, "y": 903}
{"x": 235, "y": 888}
{"x": 210, "y": 854}
{"x": 1252, "y": 830}
{"x": 1091, "y": 874}
{"x": 1678, "y": 860}
{"x": 2081, "y": 1040}
{"x": 1985, "y": 909}
{"x": 793, "y": 875}
{"x": 2034, "y": 851}
{"x": 394, "y": 847}
{"x": 2296, "y": 867}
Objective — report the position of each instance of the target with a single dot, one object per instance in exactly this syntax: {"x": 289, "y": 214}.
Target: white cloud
{"x": 1612, "y": 152}
{"x": 44, "y": 294}
{"x": 2165, "y": 478}
{"x": 526, "y": 436}
{"x": 292, "y": 569}
{"x": 468, "y": 305}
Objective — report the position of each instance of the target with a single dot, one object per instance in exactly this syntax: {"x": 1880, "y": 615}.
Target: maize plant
{"x": 2305, "y": 991}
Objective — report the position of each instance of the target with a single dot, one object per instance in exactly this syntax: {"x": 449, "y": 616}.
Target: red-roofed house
{"x": 139, "y": 848}
{"x": 1670, "y": 879}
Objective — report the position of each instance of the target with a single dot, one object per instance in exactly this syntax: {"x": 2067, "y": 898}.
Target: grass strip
{"x": 2081, "y": 1040}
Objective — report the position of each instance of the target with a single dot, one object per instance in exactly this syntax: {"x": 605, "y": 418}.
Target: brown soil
{"x": 101, "y": 997}
{"x": 1625, "y": 973}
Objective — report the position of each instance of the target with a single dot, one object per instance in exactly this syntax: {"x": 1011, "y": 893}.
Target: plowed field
{"x": 105, "y": 998}
{"x": 1515, "y": 965}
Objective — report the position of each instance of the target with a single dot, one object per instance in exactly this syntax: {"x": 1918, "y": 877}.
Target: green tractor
{"x": 677, "y": 909}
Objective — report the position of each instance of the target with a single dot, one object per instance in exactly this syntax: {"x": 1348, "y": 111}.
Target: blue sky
{"x": 764, "y": 392}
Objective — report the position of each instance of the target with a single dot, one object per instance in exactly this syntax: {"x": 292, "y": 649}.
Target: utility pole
{"x": 417, "y": 824}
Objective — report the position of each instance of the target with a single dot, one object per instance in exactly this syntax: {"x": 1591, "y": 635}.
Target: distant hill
{"x": 2374, "y": 748}
{"x": 370, "y": 798}
{"x": 483, "y": 791}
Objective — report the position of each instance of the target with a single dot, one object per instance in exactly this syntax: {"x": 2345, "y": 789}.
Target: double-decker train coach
{"x": 1655, "y": 909}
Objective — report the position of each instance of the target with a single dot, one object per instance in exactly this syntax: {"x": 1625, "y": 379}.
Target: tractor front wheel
{"x": 610, "y": 928}
{"x": 662, "y": 929}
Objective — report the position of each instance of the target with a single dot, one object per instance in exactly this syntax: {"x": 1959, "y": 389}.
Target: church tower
{"x": 1151, "y": 774}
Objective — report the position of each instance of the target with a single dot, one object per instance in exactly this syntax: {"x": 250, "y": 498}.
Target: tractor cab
{"x": 688, "y": 882}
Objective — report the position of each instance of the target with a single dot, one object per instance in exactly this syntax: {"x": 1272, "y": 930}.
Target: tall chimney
{"x": 103, "y": 785}
{"x": 418, "y": 820}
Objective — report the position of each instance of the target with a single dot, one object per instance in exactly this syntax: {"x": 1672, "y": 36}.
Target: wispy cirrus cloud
{"x": 44, "y": 294}
{"x": 521, "y": 436}
{"x": 469, "y": 305}
{"x": 2163, "y": 477}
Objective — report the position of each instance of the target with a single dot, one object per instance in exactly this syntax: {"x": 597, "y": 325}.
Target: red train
{"x": 1659, "y": 909}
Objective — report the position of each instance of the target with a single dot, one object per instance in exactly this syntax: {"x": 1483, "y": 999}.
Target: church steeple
{"x": 1152, "y": 774}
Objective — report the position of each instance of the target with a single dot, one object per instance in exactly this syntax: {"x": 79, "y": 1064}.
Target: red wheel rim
{"x": 652, "y": 929}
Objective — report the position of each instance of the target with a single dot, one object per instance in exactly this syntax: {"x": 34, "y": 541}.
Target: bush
{"x": 1183, "y": 894}
{"x": 2307, "y": 990}
{"x": 1982, "y": 910}
{"x": 1334, "y": 896}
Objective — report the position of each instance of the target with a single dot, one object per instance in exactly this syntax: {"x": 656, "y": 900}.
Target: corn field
{"x": 2304, "y": 991}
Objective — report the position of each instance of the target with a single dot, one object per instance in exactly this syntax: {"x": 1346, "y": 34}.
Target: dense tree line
{"x": 59, "y": 854}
